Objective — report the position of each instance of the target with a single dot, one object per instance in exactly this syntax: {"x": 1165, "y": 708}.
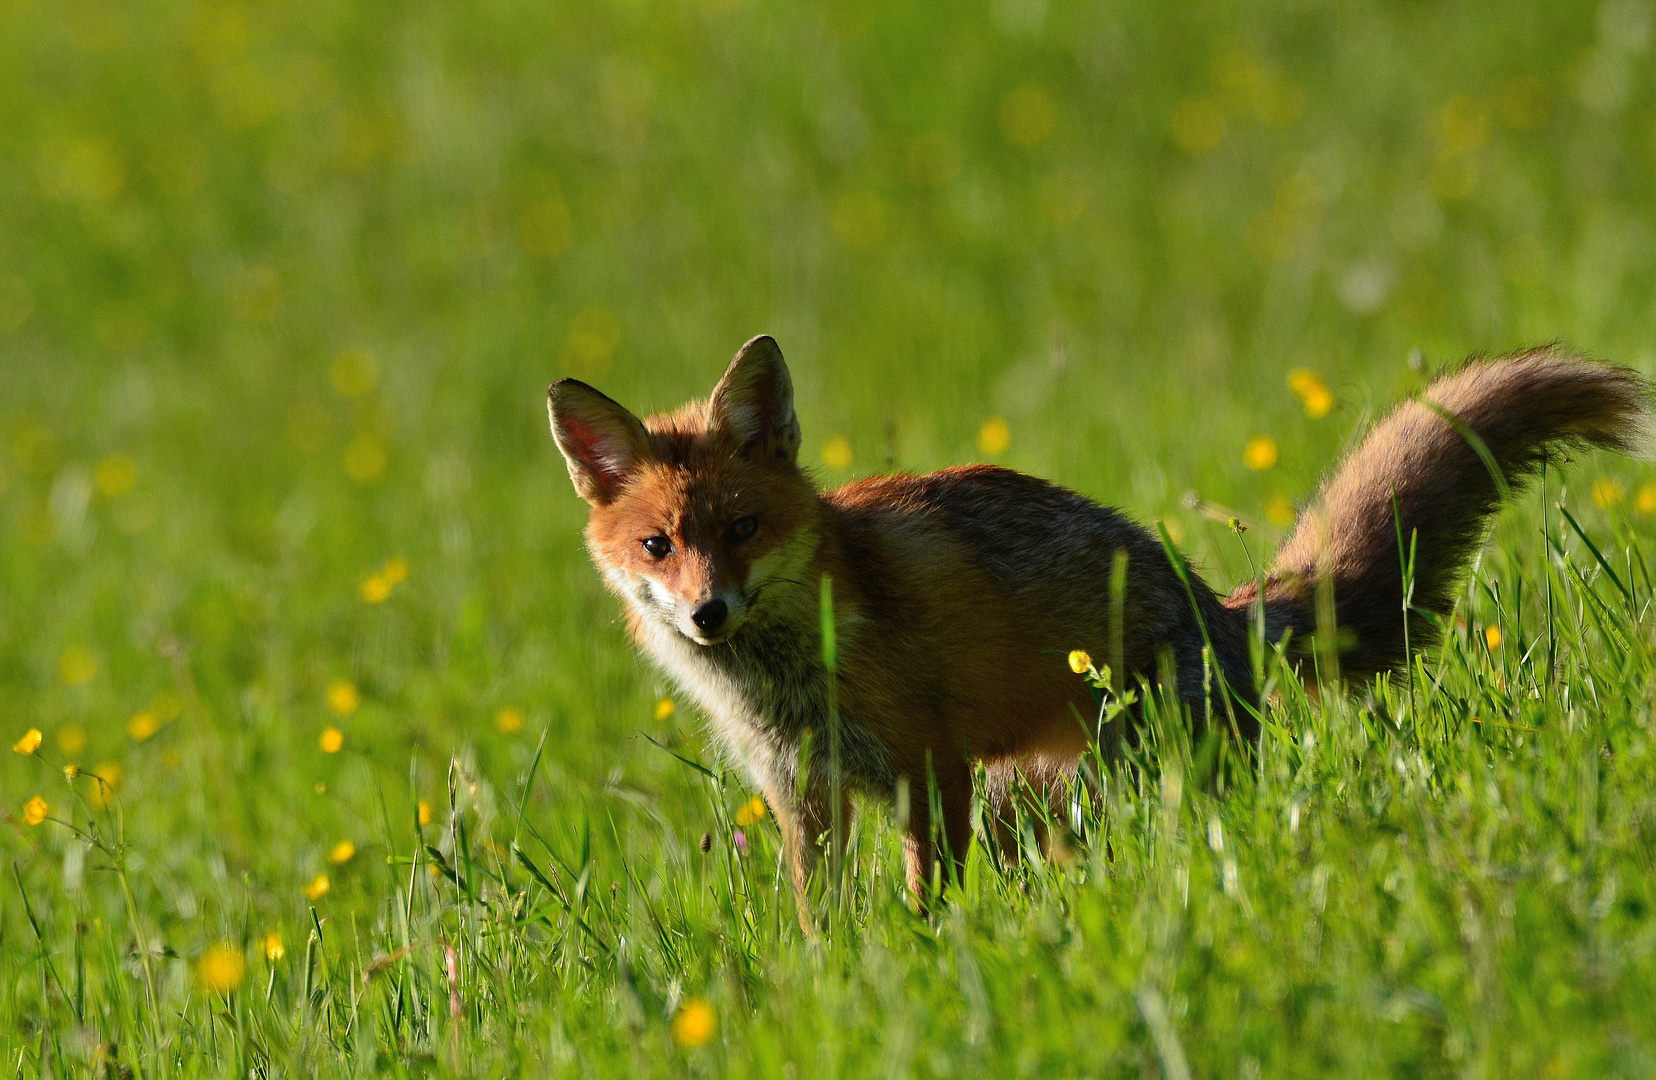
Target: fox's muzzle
{"x": 710, "y": 621}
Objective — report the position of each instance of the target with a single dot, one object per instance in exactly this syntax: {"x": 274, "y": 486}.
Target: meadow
{"x": 332, "y": 757}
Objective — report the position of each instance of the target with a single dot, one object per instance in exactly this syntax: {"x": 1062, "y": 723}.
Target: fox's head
{"x": 701, "y": 518}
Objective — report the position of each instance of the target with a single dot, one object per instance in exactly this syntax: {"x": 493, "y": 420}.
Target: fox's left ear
{"x": 754, "y": 401}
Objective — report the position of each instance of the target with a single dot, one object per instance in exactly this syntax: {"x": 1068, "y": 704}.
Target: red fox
{"x": 958, "y": 595}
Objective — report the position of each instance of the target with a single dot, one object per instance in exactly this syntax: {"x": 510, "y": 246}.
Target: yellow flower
{"x": 994, "y": 436}
{"x": 422, "y": 813}
{"x": 272, "y": 947}
{"x": 143, "y": 724}
{"x": 342, "y": 853}
{"x": 859, "y": 220}
{"x": 1279, "y": 511}
{"x": 664, "y": 708}
{"x": 1079, "y": 662}
{"x": 365, "y": 458}
{"x": 76, "y": 666}
{"x": 509, "y": 720}
{"x": 354, "y": 373}
{"x": 71, "y": 738}
{"x": 332, "y": 739}
{"x": 750, "y": 812}
{"x": 34, "y": 811}
{"x": 1606, "y": 493}
{"x": 317, "y": 888}
{"x": 1492, "y": 634}
{"x": 71, "y": 770}
{"x": 836, "y": 452}
{"x": 544, "y": 227}
{"x": 1465, "y": 124}
{"x": 1313, "y": 393}
{"x": 1198, "y": 125}
{"x": 594, "y": 335}
{"x": 343, "y": 697}
{"x": 693, "y": 1024}
{"x": 29, "y": 743}
{"x": 115, "y": 475}
{"x": 375, "y": 589}
{"x": 109, "y": 774}
{"x": 1028, "y": 116}
{"x": 221, "y": 968}
{"x": 1646, "y": 502}
{"x": 1260, "y": 453}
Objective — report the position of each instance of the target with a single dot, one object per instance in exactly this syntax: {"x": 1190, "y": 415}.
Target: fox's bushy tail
{"x": 1422, "y": 475}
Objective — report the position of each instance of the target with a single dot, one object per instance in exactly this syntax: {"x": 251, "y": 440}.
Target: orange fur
{"x": 959, "y": 594}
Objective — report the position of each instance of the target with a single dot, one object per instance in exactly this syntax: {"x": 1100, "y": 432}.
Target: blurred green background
{"x": 282, "y": 286}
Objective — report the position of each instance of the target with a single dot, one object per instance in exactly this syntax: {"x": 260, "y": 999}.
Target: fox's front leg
{"x": 806, "y": 822}
{"x": 920, "y": 849}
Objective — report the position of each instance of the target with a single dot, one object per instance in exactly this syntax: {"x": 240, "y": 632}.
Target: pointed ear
{"x": 754, "y": 401}
{"x": 601, "y": 441}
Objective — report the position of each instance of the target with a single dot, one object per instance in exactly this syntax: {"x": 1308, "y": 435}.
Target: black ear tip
{"x": 563, "y": 388}
{"x": 764, "y": 346}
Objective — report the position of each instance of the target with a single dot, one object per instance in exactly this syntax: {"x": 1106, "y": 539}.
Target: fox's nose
{"x": 710, "y": 616}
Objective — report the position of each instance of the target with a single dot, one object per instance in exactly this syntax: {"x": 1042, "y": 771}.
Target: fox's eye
{"x": 658, "y": 546}
{"x": 743, "y": 529}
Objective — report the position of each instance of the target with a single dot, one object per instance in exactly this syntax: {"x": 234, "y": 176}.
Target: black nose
{"x": 710, "y": 616}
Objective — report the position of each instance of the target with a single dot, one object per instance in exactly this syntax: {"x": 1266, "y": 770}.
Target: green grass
{"x": 281, "y": 287}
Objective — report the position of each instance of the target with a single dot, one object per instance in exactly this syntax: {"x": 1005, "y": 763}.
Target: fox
{"x": 957, "y": 596}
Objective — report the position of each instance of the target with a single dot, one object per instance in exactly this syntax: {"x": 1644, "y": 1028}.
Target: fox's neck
{"x": 767, "y": 686}
{"x": 774, "y": 662}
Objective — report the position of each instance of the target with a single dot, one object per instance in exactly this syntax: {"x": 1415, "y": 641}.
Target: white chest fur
{"x": 735, "y": 712}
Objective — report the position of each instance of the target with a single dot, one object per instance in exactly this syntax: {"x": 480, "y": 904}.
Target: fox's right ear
{"x": 601, "y": 441}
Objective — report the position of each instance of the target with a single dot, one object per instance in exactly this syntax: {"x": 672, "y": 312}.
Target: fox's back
{"x": 1044, "y": 548}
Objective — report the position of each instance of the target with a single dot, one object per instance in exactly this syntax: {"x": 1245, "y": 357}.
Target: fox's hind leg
{"x": 1032, "y": 793}
{"x": 1008, "y": 805}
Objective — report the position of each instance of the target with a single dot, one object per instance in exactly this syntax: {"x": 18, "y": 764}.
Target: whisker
{"x": 763, "y": 585}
